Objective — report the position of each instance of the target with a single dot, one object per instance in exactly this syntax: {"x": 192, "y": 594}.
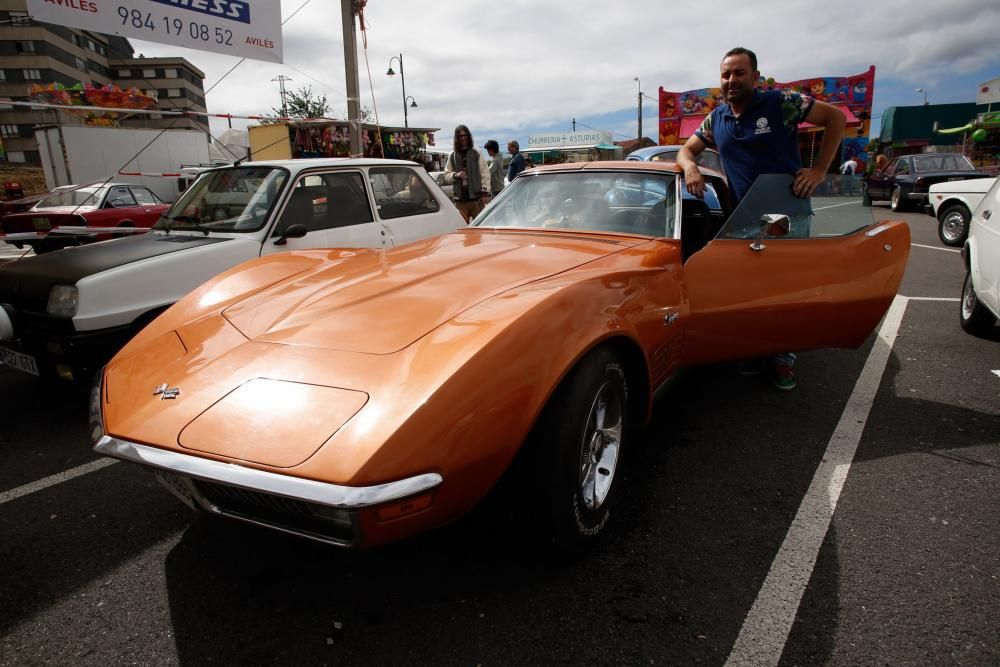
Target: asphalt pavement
{"x": 107, "y": 568}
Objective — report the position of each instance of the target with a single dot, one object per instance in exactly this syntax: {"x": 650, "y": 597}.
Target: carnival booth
{"x": 682, "y": 113}
{"x": 560, "y": 147}
{"x": 332, "y": 138}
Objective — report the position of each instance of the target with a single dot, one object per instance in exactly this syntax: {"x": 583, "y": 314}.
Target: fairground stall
{"x": 331, "y": 138}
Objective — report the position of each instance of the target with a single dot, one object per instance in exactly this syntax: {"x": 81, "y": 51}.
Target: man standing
{"x": 496, "y": 166}
{"x": 849, "y": 168}
{"x": 756, "y": 133}
{"x": 468, "y": 175}
{"x": 516, "y": 165}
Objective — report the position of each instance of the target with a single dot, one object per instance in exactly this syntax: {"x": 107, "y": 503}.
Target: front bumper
{"x": 917, "y": 197}
{"x": 60, "y": 350}
{"x": 281, "y": 502}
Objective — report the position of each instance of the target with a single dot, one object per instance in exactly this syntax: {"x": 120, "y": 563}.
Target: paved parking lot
{"x": 851, "y": 521}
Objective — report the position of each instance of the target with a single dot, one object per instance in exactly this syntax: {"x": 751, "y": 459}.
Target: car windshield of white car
{"x": 811, "y": 217}
{"x": 81, "y": 197}
{"x": 612, "y": 201}
{"x": 236, "y": 199}
{"x": 925, "y": 163}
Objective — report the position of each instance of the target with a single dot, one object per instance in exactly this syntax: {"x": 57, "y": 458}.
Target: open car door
{"x": 787, "y": 274}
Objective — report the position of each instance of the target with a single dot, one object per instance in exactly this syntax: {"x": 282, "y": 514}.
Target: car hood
{"x": 968, "y": 185}
{"x": 379, "y": 302}
{"x": 27, "y": 281}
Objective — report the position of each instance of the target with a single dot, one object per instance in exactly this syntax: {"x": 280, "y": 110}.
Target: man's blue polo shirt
{"x": 762, "y": 140}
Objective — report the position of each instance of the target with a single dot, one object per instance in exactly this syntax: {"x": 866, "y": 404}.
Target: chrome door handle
{"x": 987, "y": 214}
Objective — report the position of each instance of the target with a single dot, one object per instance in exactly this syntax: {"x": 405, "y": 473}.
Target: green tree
{"x": 303, "y": 103}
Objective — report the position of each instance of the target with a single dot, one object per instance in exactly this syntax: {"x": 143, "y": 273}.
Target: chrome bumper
{"x": 193, "y": 479}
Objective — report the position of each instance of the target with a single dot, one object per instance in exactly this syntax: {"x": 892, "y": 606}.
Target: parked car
{"x": 360, "y": 397}
{"x": 99, "y": 207}
{"x": 980, "y": 306}
{"x": 906, "y": 180}
{"x": 73, "y": 309}
{"x": 708, "y": 158}
{"x": 952, "y": 204}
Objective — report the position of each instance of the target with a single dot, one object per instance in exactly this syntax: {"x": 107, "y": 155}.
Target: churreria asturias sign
{"x": 246, "y": 28}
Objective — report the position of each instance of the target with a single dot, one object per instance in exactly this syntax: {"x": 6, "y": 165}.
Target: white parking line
{"x": 934, "y": 247}
{"x": 997, "y": 373}
{"x": 765, "y": 630}
{"x": 821, "y": 208}
{"x": 52, "y": 480}
{"x": 953, "y": 299}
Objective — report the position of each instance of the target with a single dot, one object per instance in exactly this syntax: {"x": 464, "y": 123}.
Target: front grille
{"x": 296, "y": 516}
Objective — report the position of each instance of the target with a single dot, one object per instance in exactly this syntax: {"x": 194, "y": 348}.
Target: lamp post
{"x": 924, "y": 91}
{"x": 402, "y": 79}
{"x": 639, "y": 135}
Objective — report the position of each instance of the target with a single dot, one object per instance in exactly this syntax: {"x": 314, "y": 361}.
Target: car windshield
{"x": 815, "y": 217}
{"x": 612, "y": 201}
{"x": 708, "y": 159}
{"x": 235, "y": 199}
{"x": 925, "y": 163}
{"x": 81, "y": 197}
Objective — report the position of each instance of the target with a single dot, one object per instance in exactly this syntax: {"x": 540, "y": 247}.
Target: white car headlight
{"x": 63, "y": 300}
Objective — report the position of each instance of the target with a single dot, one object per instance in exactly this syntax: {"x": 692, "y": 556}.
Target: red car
{"x": 96, "y": 206}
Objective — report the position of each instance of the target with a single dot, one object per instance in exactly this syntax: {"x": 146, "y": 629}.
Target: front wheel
{"x": 973, "y": 315}
{"x": 584, "y": 430}
{"x": 953, "y": 227}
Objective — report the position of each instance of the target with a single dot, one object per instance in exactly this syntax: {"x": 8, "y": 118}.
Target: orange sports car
{"x": 360, "y": 396}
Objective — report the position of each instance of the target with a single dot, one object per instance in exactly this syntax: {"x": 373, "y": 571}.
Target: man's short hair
{"x": 492, "y": 145}
{"x": 513, "y": 142}
{"x": 740, "y": 51}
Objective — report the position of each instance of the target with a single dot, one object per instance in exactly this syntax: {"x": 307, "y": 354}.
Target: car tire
{"x": 583, "y": 431}
{"x": 896, "y": 201}
{"x": 953, "y": 225}
{"x": 973, "y": 315}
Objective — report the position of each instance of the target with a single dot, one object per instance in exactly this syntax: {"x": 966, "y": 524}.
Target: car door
{"x": 150, "y": 204}
{"x": 409, "y": 206}
{"x": 120, "y": 206}
{"x": 985, "y": 228}
{"x": 879, "y": 184}
{"x": 334, "y": 208}
{"x": 826, "y": 283}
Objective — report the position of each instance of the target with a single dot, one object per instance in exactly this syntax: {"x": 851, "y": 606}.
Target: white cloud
{"x": 522, "y": 65}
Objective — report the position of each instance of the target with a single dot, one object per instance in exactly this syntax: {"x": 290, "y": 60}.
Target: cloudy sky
{"x": 510, "y": 68}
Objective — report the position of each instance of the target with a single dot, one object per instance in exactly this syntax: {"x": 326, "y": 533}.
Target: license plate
{"x": 22, "y": 362}
{"x": 176, "y": 485}
{"x": 41, "y": 224}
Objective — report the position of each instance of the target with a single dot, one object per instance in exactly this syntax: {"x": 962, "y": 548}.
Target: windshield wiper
{"x": 185, "y": 218}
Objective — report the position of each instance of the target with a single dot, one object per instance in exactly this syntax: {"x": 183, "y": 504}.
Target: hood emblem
{"x": 165, "y": 392}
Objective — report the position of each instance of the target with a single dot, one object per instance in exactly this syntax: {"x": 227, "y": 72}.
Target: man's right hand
{"x": 695, "y": 182}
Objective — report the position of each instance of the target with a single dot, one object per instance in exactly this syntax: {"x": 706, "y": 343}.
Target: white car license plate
{"x": 22, "y": 362}
{"x": 177, "y": 486}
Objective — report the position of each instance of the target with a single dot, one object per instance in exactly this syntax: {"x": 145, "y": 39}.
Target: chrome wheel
{"x": 969, "y": 299}
{"x": 953, "y": 226}
{"x": 601, "y": 446}
{"x": 894, "y": 199}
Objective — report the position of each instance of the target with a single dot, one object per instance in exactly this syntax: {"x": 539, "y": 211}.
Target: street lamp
{"x": 402, "y": 79}
{"x": 921, "y": 90}
{"x": 639, "y": 136}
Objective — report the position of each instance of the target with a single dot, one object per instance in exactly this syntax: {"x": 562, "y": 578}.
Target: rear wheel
{"x": 973, "y": 315}
{"x": 953, "y": 225}
{"x": 583, "y": 432}
{"x": 896, "y": 201}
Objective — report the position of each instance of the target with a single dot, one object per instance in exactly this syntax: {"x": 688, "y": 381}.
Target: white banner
{"x": 568, "y": 139}
{"x": 247, "y": 28}
{"x": 989, "y": 92}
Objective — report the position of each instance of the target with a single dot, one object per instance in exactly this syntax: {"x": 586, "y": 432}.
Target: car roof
{"x": 644, "y": 153}
{"x": 620, "y": 165}
{"x": 311, "y": 163}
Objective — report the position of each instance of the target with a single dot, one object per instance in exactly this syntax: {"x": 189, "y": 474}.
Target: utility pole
{"x": 574, "y": 124}
{"x": 281, "y": 79}
{"x": 639, "y": 137}
{"x": 351, "y": 72}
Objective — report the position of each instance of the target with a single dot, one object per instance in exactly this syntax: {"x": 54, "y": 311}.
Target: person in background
{"x": 516, "y": 165}
{"x": 467, "y": 173}
{"x": 881, "y": 162}
{"x": 496, "y": 166}
{"x": 756, "y": 132}
{"x": 849, "y": 167}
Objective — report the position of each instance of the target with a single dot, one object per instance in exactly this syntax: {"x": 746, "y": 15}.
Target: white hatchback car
{"x": 981, "y": 254}
{"x": 953, "y": 203}
{"x": 67, "y": 312}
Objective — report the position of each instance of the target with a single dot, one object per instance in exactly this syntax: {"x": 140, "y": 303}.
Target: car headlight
{"x": 63, "y": 300}
{"x": 96, "y": 416}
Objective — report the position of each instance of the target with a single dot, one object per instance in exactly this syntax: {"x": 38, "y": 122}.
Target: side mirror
{"x": 296, "y": 231}
{"x": 771, "y": 224}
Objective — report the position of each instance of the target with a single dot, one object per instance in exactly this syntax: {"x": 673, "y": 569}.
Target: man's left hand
{"x": 806, "y": 180}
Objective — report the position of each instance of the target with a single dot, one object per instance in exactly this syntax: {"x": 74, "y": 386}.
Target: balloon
{"x": 979, "y": 135}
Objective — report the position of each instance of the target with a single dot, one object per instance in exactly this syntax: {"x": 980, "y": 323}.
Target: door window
{"x": 903, "y": 167}
{"x": 400, "y": 192}
{"x": 120, "y": 196}
{"x": 144, "y": 196}
{"x": 326, "y": 201}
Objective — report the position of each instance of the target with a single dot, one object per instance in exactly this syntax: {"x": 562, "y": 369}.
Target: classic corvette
{"x": 360, "y": 396}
